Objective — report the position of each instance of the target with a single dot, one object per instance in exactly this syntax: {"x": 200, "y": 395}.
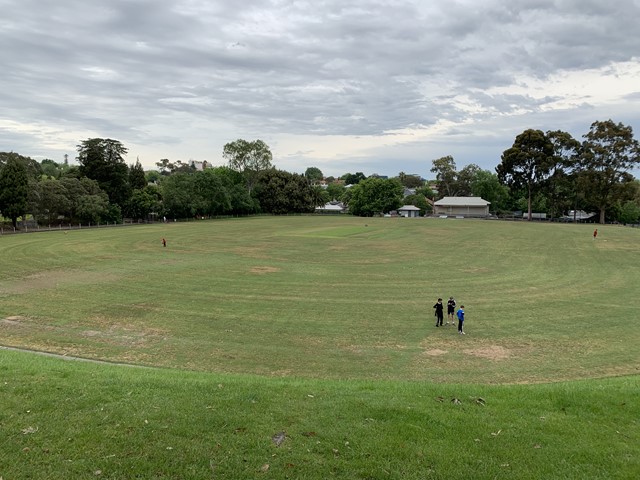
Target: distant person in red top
{"x": 164, "y": 242}
{"x": 595, "y": 233}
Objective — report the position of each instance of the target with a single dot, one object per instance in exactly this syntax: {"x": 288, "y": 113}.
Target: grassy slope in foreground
{"x": 72, "y": 420}
{"x": 337, "y": 297}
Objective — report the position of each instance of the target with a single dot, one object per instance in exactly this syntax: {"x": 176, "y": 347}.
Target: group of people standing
{"x": 451, "y": 314}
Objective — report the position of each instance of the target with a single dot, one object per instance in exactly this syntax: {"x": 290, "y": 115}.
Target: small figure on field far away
{"x": 164, "y": 242}
{"x": 595, "y": 233}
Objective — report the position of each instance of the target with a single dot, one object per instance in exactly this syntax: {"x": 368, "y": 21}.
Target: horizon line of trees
{"x": 549, "y": 172}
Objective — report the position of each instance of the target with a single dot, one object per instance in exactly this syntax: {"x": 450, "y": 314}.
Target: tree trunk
{"x": 529, "y": 205}
{"x": 602, "y": 216}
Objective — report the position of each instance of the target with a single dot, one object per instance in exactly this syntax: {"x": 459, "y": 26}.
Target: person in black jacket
{"x": 451, "y": 311}
{"x": 439, "y": 312}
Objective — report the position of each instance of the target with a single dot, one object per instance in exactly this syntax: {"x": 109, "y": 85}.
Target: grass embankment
{"x": 63, "y": 420}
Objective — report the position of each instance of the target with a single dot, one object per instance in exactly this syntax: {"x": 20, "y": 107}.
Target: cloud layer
{"x": 375, "y": 86}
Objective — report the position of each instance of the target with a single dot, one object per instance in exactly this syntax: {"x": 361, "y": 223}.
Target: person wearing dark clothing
{"x": 439, "y": 312}
{"x": 451, "y": 311}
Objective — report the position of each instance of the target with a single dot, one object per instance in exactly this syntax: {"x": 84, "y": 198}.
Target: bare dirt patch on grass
{"x": 436, "y": 352}
{"x": 251, "y": 252}
{"x": 491, "y": 352}
{"x": 264, "y": 270}
{"x": 55, "y": 279}
{"x": 13, "y": 320}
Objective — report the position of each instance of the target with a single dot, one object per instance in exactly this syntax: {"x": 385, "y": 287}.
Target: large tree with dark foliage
{"x": 102, "y": 160}
{"x": 281, "y": 192}
{"x": 14, "y": 188}
{"x": 609, "y": 153}
{"x": 527, "y": 164}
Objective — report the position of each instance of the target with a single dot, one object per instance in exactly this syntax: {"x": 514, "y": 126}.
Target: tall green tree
{"x": 178, "y": 198}
{"x": 465, "y": 178}
{"x": 242, "y": 203}
{"x": 609, "y": 153}
{"x": 280, "y": 192}
{"x": 137, "y": 177}
{"x": 375, "y": 195}
{"x": 313, "y": 174}
{"x": 248, "y": 158}
{"x": 527, "y": 163}
{"x": 353, "y": 178}
{"x": 419, "y": 201}
{"x": 50, "y": 201}
{"x": 102, "y": 160}
{"x": 487, "y": 186}
{"x": 561, "y": 187}
{"x": 410, "y": 181}
{"x": 14, "y": 189}
{"x": 335, "y": 191}
{"x": 87, "y": 202}
{"x": 446, "y": 176}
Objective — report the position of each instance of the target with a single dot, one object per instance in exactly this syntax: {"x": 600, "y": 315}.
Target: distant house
{"x": 578, "y": 216}
{"x": 198, "y": 166}
{"x": 332, "y": 207}
{"x": 409, "y": 211}
{"x": 462, "y": 207}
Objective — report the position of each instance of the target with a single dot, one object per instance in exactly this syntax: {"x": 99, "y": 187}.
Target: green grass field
{"x": 322, "y": 328}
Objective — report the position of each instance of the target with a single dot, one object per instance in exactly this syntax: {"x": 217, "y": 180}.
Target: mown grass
{"x": 320, "y": 297}
{"x": 321, "y": 328}
{"x": 64, "y": 420}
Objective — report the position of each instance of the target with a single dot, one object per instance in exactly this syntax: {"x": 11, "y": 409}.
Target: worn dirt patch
{"x": 13, "y": 320}
{"x": 54, "y": 279}
{"x": 492, "y": 352}
{"x": 436, "y": 352}
{"x": 251, "y": 252}
{"x": 263, "y": 270}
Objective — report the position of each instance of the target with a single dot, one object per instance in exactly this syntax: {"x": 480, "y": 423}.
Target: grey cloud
{"x": 296, "y": 67}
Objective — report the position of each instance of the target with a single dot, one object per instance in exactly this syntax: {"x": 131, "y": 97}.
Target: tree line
{"x": 102, "y": 188}
{"x": 548, "y": 172}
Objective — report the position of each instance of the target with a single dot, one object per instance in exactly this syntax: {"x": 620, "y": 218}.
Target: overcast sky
{"x": 376, "y": 86}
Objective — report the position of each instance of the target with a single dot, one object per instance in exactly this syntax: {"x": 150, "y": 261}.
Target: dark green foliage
{"x": 445, "y": 170}
{"x": 281, "y": 192}
{"x": 487, "y": 186}
{"x": 528, "y": 163}
{"x": 142, "y": 203}
{"x": 410, "y": 181}
{"x": 248, "y": 158}
{"x": 375, "y": 195}
{"x": 49, "y": 200}
{"x": 87, "y": 201}
{"x": 609, "y": 152}
{"x": 137, "y": 178}
{"x": 335, "y": 191}
{"x": 14, "y": 188}
{"x": 313, "y": 174}
{"x": 353, "y": 178}
{"x": 419, "y": 201}
{"x": 102, "y": 160}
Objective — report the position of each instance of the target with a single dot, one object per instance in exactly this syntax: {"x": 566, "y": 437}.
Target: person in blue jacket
{"x": 461, "y": 320}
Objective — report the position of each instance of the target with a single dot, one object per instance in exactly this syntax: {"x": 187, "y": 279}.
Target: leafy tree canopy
{"x": 248, "y": 158}
{"x": 375, "y": 195}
